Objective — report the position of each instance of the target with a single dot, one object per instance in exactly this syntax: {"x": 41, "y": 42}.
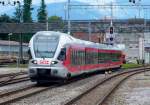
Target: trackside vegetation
{"x": 131, "y": 65}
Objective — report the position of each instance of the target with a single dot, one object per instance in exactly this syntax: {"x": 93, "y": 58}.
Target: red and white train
{"x": 58, "y": 55}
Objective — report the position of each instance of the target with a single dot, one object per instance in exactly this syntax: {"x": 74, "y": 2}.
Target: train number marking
{"x": 44, "y": 62}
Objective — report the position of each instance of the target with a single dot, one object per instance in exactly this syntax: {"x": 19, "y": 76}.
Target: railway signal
{"x": 111, "y": 38}
{"x": 111, "y": 30}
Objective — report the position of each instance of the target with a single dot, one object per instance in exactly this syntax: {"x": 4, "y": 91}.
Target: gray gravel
{"x": 15, "y": 86}
{"x": 59, "y": 95}
{"x": 5, "y": 70}
{"x": 135, "y": 91}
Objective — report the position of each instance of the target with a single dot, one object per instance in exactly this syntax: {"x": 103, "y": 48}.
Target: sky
{"x": 57, "y": 7}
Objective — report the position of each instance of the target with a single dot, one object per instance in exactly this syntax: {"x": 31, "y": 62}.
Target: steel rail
{"x": 105, "y": 97}
{"x": 8, "y": 82}
{"x": 23, "y": 93}
{"x": 134, "y": 71}
{"x": 12, "y": 74}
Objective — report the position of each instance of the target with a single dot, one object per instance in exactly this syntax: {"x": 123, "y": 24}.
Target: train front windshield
{"x": 45, "y": 46}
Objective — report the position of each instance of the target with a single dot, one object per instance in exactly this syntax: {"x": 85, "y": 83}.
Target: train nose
{"x": 44, "y": 72}
{"x": 32, "y": 71}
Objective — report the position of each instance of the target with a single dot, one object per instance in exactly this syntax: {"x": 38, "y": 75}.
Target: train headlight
{"x": 54, "y": 62}
{"x": 34, "y": 61}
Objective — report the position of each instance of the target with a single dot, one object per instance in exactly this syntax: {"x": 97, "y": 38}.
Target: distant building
{"x": 98, "y": 37}
{"x": 11, "y": 49}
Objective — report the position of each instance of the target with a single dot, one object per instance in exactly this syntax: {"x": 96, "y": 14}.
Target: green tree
{"x": 17, "y": 14}
{"x": 3, "y": 36}
{"x": 54, "y": 19}
{"x": 27, "y": 11}
{"x": 56, "y": 22}
{"x": 5, "y": 18}
{"x": 42, "y": 12}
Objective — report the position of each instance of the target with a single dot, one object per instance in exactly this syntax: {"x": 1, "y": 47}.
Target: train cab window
{"x": 45, "y": 46}
{"x": 62, "y": 55}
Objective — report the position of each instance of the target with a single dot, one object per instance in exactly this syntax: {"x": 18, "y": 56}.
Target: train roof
{"x": 81, "y": 42}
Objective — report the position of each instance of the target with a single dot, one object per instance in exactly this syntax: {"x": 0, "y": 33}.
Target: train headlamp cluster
{"x": 34, "y": 61}
{"x": 54, "y": 62}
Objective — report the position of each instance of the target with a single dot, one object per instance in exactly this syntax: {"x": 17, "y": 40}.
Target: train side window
{"x": 77, "y": 59}
{"x": 72, "y": 57}
{"x": 62, "y": 55}
{"x": 75, "y": 55}
{"x": 85, "y": 56}
{"x": 116, "y": 57}
{"x": 110, "y": 56}
{"x": 100, "y": 57}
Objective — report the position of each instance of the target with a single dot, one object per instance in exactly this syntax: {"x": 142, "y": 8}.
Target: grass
{"x": 131, "y": 65}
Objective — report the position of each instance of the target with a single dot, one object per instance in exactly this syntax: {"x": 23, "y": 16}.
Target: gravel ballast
{"x": 134, "y": 91}
{"x": 59, "y": 95}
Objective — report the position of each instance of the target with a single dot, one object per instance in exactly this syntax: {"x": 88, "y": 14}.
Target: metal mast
{"x": 111, "y": 24}
{"x": 69, "y": 24}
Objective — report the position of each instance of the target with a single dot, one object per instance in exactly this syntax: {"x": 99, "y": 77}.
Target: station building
{"x": 10, "y": 49}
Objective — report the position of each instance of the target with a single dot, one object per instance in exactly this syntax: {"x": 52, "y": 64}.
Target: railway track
{"x": 98, "y": 93}
{"x": 14, "y": 95}
{"x": 11, "y": 78}
{"x": 12, "y": 74}
{"x": 20, "y": 93}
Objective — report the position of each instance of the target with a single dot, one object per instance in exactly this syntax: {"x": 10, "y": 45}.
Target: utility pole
{"x": 21, "y": 60}
{"x": 69, "y": 24}
{"x": 111, "y": 28}
{"x": 138, "y": 3}
{"x": 89, "y": 29}
{"x": 9, "y": 45}
{"x": 111, "y": 24}
{"x": 47, "y": 22}
{"x": 65, "y": 11}
{"x": 20, "y": 36}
